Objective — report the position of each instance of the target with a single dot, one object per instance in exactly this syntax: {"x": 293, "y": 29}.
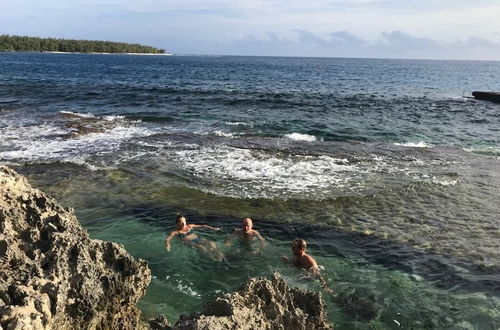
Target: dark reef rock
{"x": 259, "y": 304}
{"x": 488, "y": 96}
{"x": 52, "y": 275}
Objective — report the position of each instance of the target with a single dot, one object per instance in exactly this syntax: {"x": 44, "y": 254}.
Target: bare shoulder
{"x": 312, "y": 264}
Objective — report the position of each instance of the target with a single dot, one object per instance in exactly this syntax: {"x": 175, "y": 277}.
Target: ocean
{"x": 389, "y": 174}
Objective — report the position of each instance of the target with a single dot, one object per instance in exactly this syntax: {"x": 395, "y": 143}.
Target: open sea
{"x": 390, "y": 175}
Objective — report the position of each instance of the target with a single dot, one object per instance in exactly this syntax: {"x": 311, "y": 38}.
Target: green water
{"x": 184, "y": 279}
{"x": 137, "y": 211}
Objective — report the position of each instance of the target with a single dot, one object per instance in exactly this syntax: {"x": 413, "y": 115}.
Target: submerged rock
{"x": 52, "y": 275}
{"x": 259, "y": 304}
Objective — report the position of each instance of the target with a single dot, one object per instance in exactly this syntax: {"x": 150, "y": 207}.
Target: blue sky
{"x": 441, "y": 29}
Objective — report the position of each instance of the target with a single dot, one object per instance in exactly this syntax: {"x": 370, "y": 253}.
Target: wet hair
{"x": 178, "y": 217}
{"x": 247, "y": 220}
{"x": 299, "y": 243}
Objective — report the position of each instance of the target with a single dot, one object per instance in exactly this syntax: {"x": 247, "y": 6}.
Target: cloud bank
{"x": 445, "y": 29}
{"x": 393, "y": 44}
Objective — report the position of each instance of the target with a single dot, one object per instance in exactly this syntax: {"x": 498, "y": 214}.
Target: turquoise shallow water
{"x": 380, "y": 165}
{"x": 189, "y": 279}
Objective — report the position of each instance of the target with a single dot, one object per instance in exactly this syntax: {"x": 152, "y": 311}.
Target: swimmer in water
{"x": 246, "y": 235}
{"x": 304, "y": 261}
{"x": 185, "y": 233}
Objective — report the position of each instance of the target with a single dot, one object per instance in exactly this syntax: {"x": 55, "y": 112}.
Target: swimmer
{"x": 184, "y": 231}
{"x": 304, "y": 261}
{"x": 246, "y": 235}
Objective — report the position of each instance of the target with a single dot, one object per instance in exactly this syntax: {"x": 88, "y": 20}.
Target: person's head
{"x": 247, "y": 225}
{"x": 299, "y": 246}
{"x": 180, "y": 221}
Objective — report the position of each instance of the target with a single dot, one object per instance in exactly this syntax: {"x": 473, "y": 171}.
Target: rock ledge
{"x": 259, "y": 304}
{"x": 53, "y": 276}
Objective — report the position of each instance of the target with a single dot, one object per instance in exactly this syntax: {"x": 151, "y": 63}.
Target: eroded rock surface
{"x": 52, "y": 275}
{"x": 260, "y": 304}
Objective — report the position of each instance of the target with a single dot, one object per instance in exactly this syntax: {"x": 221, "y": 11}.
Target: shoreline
{"x": 92, "y": 53}
{"x": 98, "y": 53}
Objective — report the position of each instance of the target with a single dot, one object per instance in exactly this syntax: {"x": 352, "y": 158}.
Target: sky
{"x": 420, "y": 29}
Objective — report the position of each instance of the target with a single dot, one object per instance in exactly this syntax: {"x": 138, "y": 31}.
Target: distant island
{"x": 10, "y": 43}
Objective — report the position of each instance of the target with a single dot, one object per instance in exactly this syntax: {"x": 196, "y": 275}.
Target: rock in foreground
{"x": 53, "y": 276}
{"x": 260, "y": 304}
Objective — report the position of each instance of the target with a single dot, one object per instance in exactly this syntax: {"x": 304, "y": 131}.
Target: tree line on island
{"x": 34, "y": 44}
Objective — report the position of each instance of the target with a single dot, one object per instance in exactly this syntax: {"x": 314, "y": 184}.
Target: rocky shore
{"x": 259, "y": 304}
{"x": 53, "y": 276}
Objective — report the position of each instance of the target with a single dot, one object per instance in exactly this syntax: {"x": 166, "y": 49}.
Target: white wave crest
{"x": 237, "y": 123}
{"x": 223, "y": 134}
{"x": 443, "y": 182}
{"x": 114, "y": 118}
{"x": 77, "y": 114}
{"x": 109, "y": 118}
{"x": 38, "y": 144}
{"x": 300, "y": 137}
{"x": 232, "y": 171}
{"x": 420, "y": 144}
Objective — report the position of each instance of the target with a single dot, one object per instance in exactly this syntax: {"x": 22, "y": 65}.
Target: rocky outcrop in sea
{"x": 260, "y": 304}
{"x": 52, "y": 275}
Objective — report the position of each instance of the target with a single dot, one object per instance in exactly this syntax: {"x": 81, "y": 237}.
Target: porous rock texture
{"x": 52, "y": 275}
{"x": 260, "y": 304}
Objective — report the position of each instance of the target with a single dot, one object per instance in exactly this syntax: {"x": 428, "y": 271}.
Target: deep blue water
{"x": 332, "y": 99}
{"x": 390, "y": 174}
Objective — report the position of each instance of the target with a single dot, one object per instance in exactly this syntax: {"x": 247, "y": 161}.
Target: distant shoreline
{"x": 10, "y": 43}
{"x": 98, "y": 53}
{"x": 92, "y": 53}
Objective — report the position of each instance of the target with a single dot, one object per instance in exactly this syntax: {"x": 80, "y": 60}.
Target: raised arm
{"x": 169, "y": 238}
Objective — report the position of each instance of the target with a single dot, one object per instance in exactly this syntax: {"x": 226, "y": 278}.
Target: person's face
{"x": 181, "y": 222}
{"x": 247, "y": 225}
{"x": 296, "y": 250}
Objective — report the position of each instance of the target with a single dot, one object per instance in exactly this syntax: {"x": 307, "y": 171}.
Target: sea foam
{"x": 77, "y": 114}
{"x": 300, "y": 137}
{"x": 49, "y": 142}
{"x": 420, "y": 144}
{"x": 254, "y": 174}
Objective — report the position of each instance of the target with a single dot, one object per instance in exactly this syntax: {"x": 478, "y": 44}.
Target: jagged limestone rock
{"x": 52, "y": 275}
{"x": 261, "y": 304}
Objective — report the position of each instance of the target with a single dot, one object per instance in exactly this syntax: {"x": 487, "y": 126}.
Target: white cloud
{"x": 393, "y": 44}
{"x": 401, "y": 40}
